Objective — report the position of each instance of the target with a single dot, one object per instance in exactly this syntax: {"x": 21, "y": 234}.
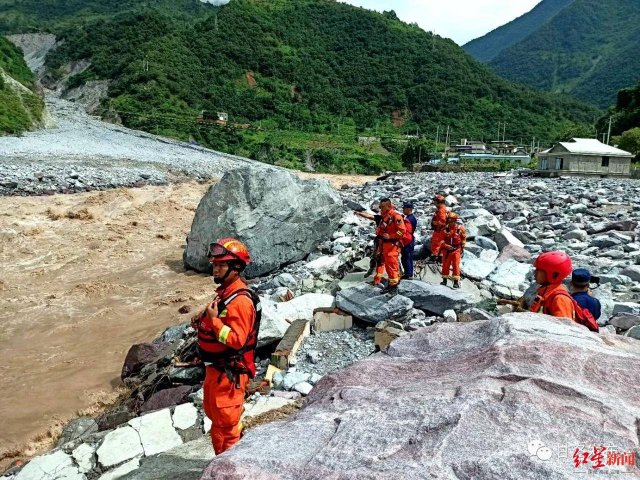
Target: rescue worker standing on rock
{"x": 438, "y": 225}
{"x": 553, "y": 298}
{"x": 452, "y": 249}
{"x": 227, "y": 338}
{"x": 390, "y": 231}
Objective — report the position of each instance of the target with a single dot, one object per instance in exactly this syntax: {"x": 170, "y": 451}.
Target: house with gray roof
{"x": 584, "y": 156}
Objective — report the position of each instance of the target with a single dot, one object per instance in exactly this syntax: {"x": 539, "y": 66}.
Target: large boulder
{"x": 508, "y": 398}
{"x": 278, "y": 216}
{"x": 479, "y": 221}
{"x": 369, "y": 304}
{"x": 436, "y": 299}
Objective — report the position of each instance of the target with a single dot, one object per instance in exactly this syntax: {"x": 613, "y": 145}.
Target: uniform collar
{"x": 228, "y": 291}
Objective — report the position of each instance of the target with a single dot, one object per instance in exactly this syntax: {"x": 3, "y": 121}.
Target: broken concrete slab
{"x": 330, "y": 319}
{"x": 122, "y": 470}
{"x": 85, "y": 457}
{"x": 185, "y": 462}
{"x": 263, "y": 405}
{"x": 285, "y": 353}
{"x": 185, "y": 416}
{"x": 276, "y": 317}
{"x": 54, "y": 466}
{"x": 119, "y": 446}
{"x": 156, "y": 432}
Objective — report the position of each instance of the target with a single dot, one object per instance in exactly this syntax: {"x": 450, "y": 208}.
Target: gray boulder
{"x": 279, "y": 217}
{"x": 505, "y": 238}
{"x": 435, "y": 299}
{"x": 625, "y": 321}
{"x": 369, "y": 304}
{"x": 78, "y": 428}
{"x": 633, "y": 272}
{"x": 474, "y": 400}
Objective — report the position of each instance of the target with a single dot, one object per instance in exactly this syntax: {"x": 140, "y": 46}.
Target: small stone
{"x": 184, "y": 309}
{"x": 450, "y": 316}
{"x": 304, "y": 388}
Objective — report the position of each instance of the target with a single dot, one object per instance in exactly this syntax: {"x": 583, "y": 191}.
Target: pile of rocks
{"x": 509, "y": 222}
{"x": 83, "y": 153}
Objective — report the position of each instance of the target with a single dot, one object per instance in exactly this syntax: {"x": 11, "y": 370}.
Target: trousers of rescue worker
{"x": 407, "y": 259}
{"x": 223, "y": 404}
{"x": 390, "y": 263}
{"x": 436, "y": 239}
{"x": 451, "y": 262}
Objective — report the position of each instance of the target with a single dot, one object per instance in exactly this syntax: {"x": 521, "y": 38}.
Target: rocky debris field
{"x": 82, "y": 153}
{"x": 319, "y": 317}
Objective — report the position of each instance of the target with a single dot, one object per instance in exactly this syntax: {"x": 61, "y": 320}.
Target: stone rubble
{"x": 509, "y": 224}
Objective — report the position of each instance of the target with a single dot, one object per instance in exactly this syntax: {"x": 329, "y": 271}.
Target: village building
{"x": 584, "y": 156}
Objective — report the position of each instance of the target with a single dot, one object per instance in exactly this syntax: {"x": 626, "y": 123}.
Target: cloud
{"x": 460, "y": 20}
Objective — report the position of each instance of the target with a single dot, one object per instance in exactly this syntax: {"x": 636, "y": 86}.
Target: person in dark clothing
{"x": 407, "y": 252}
{"x": 580, "y": 281}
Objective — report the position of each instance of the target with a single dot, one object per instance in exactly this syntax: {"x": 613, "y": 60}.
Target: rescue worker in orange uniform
{"x": 227, "y": 338}
{"x": 452, "y": 249}
{"x": 438, "y": 224}
{"x": 390, "y": 230}
{"x": 553, "y": 298}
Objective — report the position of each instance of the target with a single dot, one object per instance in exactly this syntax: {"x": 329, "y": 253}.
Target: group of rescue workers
{"x": 228, "y": 327}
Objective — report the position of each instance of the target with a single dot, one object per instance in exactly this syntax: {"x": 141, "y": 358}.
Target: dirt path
{"x": 82, "y": 278}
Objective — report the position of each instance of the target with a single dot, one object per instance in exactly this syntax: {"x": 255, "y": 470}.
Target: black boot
{"x": 456, "y": 284}
{"x": 444, "y": 282}
{"x": 390, "y": 289}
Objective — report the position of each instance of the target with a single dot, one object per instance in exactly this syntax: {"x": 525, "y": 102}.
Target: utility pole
{"x": 609, "y": 133}
{"x": 446, "y": 145}
{"x": 437, "y": 137}
{"x": 504, "y": 131}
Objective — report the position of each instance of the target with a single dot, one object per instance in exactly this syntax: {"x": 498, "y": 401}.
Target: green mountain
{"x": 626, "y": 113}
{"x": 20, "y": 108}
{"x": 487, "y": 47}
{"x": 306, "y": 77}
{"x": 589, "y": 50}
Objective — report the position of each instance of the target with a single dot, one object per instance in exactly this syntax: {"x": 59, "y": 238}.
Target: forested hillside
{"x": 20, "y": 108}
{"x": 307, "y": 76}
{"x": 487, "y": 47}
{"x": 589, "y": 50}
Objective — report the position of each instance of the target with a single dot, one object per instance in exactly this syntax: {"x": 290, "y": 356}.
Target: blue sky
{"x": 460, "y": 20}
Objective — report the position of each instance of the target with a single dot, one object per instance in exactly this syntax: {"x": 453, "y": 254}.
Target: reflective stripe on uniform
{"x": 224, "y": 333}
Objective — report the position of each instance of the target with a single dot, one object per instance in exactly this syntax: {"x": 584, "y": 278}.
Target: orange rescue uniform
{"x": 393, "y": 225}
{"x": 551, "y": 303}
{"x": 451, "y": 247}
{"x": 224, "y": 397}
{"x": 438, "y": 224}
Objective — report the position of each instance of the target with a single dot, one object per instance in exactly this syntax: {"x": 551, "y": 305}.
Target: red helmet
{"x": 438, "y": 198}
{"x": 556, "y": 266}
{"x": 228, "y": 250}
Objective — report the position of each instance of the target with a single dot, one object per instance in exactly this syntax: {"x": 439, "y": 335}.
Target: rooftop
{"x": 593, "y": 147}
